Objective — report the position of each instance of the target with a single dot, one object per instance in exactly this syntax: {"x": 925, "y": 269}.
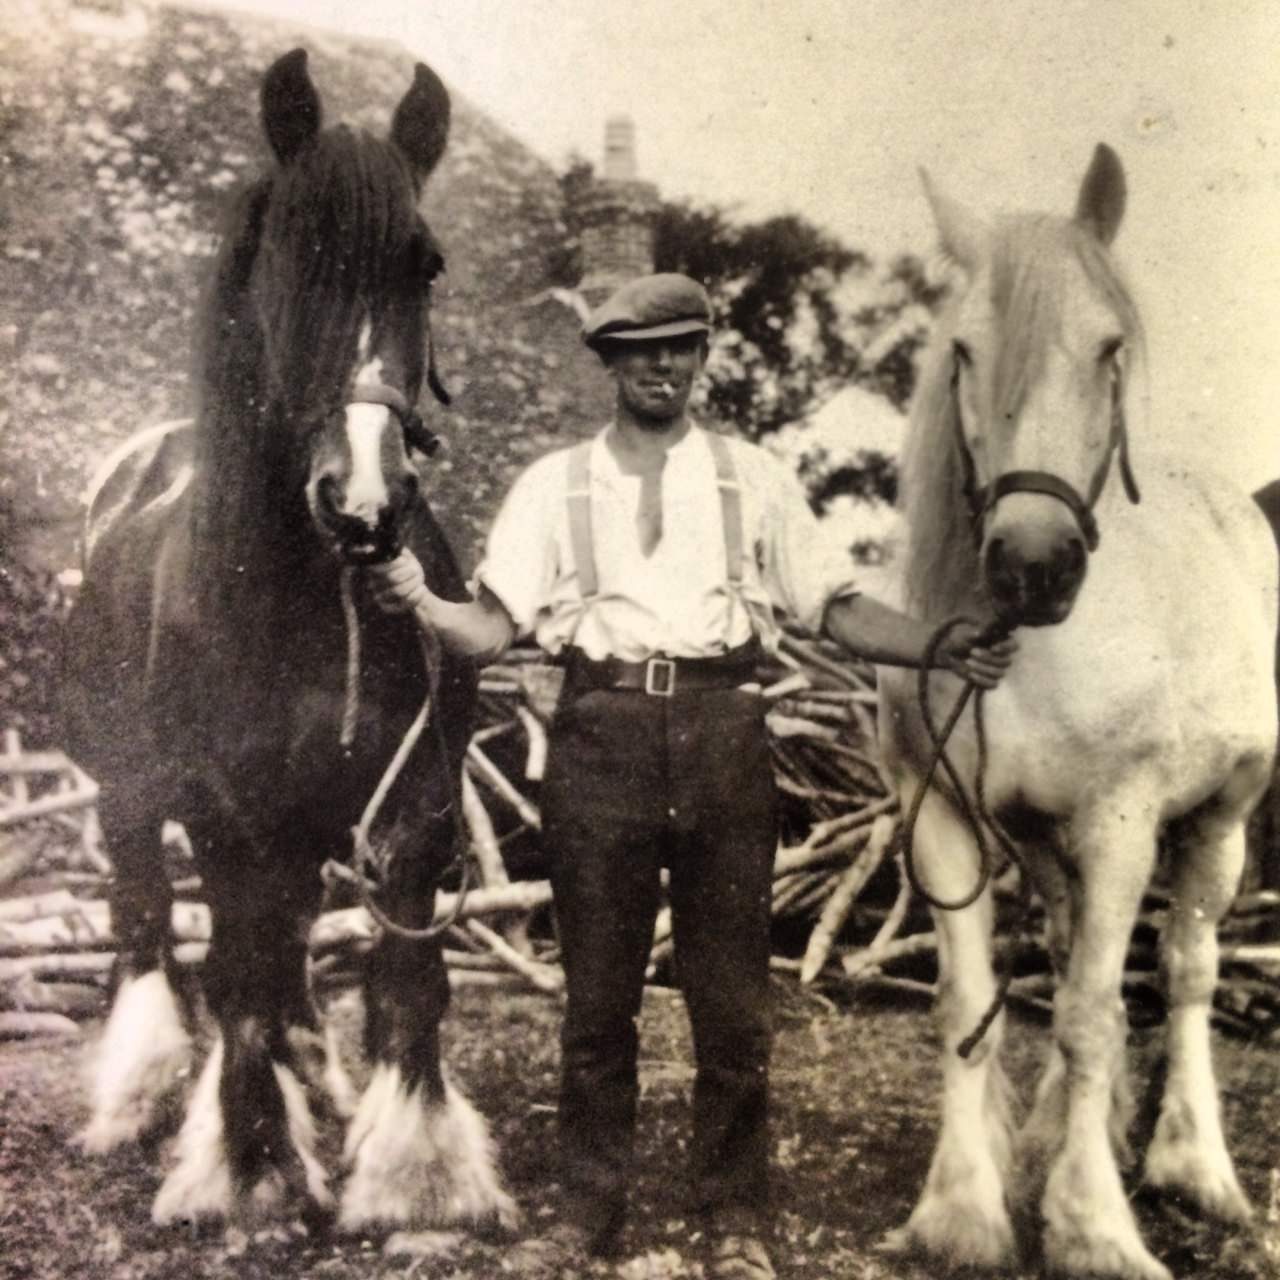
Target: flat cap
{"x": 657, "y": 306}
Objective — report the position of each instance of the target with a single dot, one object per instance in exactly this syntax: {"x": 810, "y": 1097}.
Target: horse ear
{"x": 290, "y": 105}
{"x": 962, "y": 232}
{"x": 1100, "y": 206}
{"x": 420, "y": 126}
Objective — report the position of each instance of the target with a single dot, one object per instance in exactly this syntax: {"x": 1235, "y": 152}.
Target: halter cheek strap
{"x": 416, "y": 433}
{"x": 983, "y": 499}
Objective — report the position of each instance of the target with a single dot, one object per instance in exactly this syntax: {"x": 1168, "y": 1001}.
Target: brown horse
{"x": 1140, "y": 710}
{"x": 208, "y": 682}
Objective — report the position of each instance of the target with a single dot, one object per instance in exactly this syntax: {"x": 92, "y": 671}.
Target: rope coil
{"x": 364, "y": 860}
{"x": 975, "y": 813}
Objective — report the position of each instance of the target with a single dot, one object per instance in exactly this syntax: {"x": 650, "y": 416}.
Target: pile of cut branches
{"x": 845, "y": 917}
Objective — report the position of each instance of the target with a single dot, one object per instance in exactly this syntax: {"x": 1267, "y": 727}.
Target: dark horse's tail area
{"x": 107, "y": 691}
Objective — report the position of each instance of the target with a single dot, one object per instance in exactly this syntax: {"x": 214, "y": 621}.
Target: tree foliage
{"x": 800, "y": 313}
{"x": 774, "y": 286}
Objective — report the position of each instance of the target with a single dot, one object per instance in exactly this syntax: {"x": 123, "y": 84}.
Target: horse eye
{"x": 1110, "y": 348}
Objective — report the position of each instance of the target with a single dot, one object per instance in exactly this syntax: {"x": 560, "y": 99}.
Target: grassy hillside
{"x": 121, "y": 140}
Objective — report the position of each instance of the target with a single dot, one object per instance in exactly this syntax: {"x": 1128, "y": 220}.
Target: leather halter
{"x": 417, "y": 435}
{"x": 983, "y": 498}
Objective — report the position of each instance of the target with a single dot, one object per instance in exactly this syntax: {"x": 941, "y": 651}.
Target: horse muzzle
{"x": 1033, "y": 570}
{"x": 362, "y": 533}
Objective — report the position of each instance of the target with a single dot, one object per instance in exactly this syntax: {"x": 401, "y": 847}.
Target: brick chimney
{"x": 615, "y": 214}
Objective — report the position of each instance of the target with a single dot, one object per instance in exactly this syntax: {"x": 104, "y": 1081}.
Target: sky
{"x": 829, "y": 109}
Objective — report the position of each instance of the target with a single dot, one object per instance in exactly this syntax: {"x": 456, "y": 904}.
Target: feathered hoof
{"x": 961, "y": 1234}
{"x": 199, "y": 1187}
{"x": 1118, "y": 1256}
{"x": 140, "y": 1063}
{"x": 1204, "y": 1177}
{"x": 420, "y": 1163}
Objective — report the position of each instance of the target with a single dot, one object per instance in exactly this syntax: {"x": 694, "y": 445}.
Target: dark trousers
{"x": 636, "y": 783}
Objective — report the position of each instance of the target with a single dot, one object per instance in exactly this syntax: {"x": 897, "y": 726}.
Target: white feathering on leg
{"x": 199, "y": 1185}
{"x": 302, "y": 1133}
{"x": 419, "y": 1163}
{"x": 342, "y": 1091}
{"x": 143, "y": 1056}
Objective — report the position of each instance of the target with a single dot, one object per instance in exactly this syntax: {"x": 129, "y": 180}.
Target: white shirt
{"x": 678, "y": 600}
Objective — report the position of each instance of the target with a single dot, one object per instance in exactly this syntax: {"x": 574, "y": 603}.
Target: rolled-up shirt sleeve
{"x": 803, "y": 571}
{"x": 519, "y": 564}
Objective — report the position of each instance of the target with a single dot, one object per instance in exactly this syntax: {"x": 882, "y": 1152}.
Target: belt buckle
{"x": 660, "y": 677}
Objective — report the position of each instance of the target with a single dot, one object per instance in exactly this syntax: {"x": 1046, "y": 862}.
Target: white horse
{"x": 1140, "y": 713}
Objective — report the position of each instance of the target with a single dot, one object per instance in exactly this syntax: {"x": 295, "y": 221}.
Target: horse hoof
{"x": 141, "y": 1061}
{"x": 962, "y": 1233}
{"x": 1116, "y": 1258}
{"x": 1199, "y": 1174}
{"x": 438, "y": 1245}
{"x": 420, "y": 1162}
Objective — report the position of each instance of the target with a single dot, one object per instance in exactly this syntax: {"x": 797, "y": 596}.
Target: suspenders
{"x": 578, "y": 499}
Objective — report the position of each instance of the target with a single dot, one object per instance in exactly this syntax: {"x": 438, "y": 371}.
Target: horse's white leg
{"x": 961, "y": 1215}
{"x": 141, "y": 1059}
{"x": 1041, "y": 1136}
{"x": 1088, "y": 1226}
{"x": 420, "y": 1153}
{"x": 199, "y": 1186}
{"x": 144, "y": 1053}
{"x": 419, "y": 1160}
{"x": 1188, "y": 1153}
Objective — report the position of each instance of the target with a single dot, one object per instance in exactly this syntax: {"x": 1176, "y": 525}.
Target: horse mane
{"x": 1029, "y": 274}
{"x": 309, "y": 254}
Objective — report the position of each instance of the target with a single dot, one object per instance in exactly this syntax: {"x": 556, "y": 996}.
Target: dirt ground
{"x": 854, "y": 1122}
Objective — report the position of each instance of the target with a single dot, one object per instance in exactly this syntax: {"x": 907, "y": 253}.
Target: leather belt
{"x": 664, "y": 677}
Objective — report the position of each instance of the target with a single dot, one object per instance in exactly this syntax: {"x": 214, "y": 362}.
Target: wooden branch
{"x": 872, "y": 956}
{"x": 88, "y": 925}
{"x": 15, "y": 863}
{"x": 783, "y": 725}
{"x": 23, "y": 1026}
{"x": 36, "y": 906}
{"x": 810, "y": 656}
{"x": 839, "y": 904}
{"x": 494, "y": 778}
{"x": 535, "y": 764}
{"x": 337, "y": 928}
{"x": 484, "y": 842}
{"x": 81, "y": 798}
{"x": 855, "y": 963}
{"x": 791, "y": 683}
{"x": 542, "y": 976}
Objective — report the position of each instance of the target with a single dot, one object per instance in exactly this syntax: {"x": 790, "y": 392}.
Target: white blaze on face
{"x": 365, "y": 423}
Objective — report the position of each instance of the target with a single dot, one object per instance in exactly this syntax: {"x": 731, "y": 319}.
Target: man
{"x": 650, "y": 560}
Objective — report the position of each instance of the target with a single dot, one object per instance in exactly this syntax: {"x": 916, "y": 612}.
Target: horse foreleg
{"x": 1042, "y": 1134}
{"x": 1089, "y": 1228}
{"x": 247, "y": 1148}
{"x": 420, "y": 1154}
{"x": 144, "y": 1053}
{"x": 962, "y": 1215}
{"x": 1188, "y": 1153}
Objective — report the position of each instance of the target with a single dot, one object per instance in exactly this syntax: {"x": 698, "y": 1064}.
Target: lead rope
{"x": 975, "y": 812}
{"x": 364, "y": 857}
{"x": 351, "y": 702}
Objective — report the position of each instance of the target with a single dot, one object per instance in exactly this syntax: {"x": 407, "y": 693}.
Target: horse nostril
{"x": 1074, "y": 556}
{"x": 329, "y": 494}
{"x": 997, "y": 558}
